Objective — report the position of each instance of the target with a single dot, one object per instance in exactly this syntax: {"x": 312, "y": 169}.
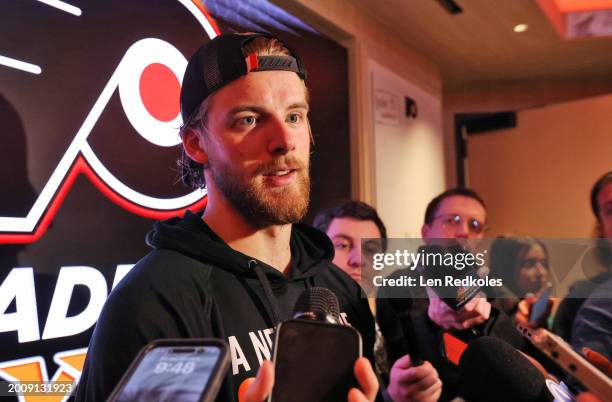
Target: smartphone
{"x": 540, "y": 307}
{"x": 179, "y": 370}
{"x": 567, "y": 358}
{"x": 314, "y": 361}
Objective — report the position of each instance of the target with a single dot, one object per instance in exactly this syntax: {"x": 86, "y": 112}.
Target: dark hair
{"x": 597, "y": 187}
{"x": 432, "y": 207}
{"x": 349, "y": 209}
{"x": 507, "y": 253}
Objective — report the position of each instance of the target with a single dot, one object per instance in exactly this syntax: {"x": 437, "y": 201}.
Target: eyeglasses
{"x": 531, "y": 262}
{"x": 455, "y": 221}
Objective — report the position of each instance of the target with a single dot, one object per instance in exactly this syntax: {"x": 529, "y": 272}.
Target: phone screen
{"x": 314, "y": 361}
{"x": 171, "y": 373}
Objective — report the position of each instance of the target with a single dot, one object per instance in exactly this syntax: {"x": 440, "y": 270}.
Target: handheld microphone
{"x": 492, "y": 370}
{"x": 455, "y": 296}
{"x": 314, "y": 355}
{"x": 317, "y": 304}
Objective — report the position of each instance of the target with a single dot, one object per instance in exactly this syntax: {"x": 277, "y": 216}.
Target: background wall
{"x": 409, "y": 152}
{"x": 537, "y": 177}
{"x": 506, "y": 96}
{"x": 384, "y": 158}
{"x": 367, "y": 39}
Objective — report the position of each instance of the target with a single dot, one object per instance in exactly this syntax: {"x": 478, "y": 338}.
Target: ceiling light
{"x": 520, "y": 28}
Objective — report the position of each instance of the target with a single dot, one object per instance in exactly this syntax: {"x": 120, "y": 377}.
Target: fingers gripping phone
{"x": 314, "y": 361}
{"x": 179, "y": 370}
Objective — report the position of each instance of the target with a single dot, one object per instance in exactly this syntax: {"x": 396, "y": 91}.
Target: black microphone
{"x": 490, "y": 369}
{"x": 319, "y": 304}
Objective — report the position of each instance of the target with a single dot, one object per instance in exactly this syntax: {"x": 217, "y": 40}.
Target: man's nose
{"x": 355, "y": 257}
{"x": 281, "y": 137}
{"x": 463, "y": 231}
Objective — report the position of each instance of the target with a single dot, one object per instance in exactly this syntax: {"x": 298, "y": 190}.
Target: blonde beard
{"x": 262, "y": 206}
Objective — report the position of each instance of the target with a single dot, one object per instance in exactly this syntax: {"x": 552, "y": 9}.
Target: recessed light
{"x": 520, "y": 28}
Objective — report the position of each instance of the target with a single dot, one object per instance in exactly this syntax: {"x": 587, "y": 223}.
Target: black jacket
{"x": 193, "y": 285}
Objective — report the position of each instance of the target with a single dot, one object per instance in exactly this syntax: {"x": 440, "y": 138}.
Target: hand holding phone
{"x": 260, "y": 387}
{"x": 314, "y": 361}
{"x": 534, "y": 311}
{"x": 415, "y": 380}
{"x": 179, "y": 370}
{"x": 567, "y": 358}
{"x": 473, "y": 313}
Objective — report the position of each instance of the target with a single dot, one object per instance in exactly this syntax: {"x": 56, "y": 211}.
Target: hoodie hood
{"x": 311, "y": 249}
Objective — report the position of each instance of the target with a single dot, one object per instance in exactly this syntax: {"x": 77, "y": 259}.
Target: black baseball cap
{"x": 222, "y": 60}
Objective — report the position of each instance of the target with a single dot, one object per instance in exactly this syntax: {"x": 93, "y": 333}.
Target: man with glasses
{"x": 418, "y": 324}
{"x": 456, "y": 213}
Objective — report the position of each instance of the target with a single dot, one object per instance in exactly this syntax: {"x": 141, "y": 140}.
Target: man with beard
{"x": 236, "y": 270}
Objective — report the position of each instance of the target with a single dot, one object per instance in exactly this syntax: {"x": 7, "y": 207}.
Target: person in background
{"x": 357, "y": 232}
{"x": 592, "y": 332}
{"x": 523, "y": 263}
{"x": 346, "y": 223}
{"x": 601, "y": 205}
{"x": 415, "y": 324}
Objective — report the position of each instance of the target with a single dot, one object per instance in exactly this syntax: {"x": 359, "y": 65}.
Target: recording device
{"x": 437, "y": 271}
{"x": 567, "y": 358}
{"x": 540, "y": 307}
{"x": 178, "y": 370}
{"x": 313, "y": 354}
{"x": 492, "y": 370}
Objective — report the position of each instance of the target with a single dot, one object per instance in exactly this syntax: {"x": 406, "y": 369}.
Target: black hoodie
{"x": 193, "y": 285}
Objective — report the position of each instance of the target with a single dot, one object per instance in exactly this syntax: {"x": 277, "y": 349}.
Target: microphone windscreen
{"x": 319, "y": 304}
{"x": 490, "y": 369}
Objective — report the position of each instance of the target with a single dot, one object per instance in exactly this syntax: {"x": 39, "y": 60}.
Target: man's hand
{"x": 410, "y": 383}
{"x": 475, "y": 312}
{"x": 257, "y": 390}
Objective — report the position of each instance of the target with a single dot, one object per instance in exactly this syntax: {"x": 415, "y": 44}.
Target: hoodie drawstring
{"x": 265, "y": 283}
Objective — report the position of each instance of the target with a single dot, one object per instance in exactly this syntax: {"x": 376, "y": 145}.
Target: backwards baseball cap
{"x": 221, "y": 61}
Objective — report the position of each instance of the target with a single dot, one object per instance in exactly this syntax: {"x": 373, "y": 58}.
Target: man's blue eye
{"x": 248, "y": 120}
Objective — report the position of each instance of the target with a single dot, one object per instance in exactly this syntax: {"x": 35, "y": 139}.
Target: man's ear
{"x": 193, "y": 146}
{"x": 425, "y": 230}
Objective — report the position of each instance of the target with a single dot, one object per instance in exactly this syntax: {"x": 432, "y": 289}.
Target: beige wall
{"x": 373, "y": 170}
{"x": 536, "y": 178}
{"x": 510, "y": 96}
{"x": 366, "y": 40}
{"x": 409, "y": 152}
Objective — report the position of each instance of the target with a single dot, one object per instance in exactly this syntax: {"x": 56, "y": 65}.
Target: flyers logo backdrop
{"x": 101, "y": 97}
